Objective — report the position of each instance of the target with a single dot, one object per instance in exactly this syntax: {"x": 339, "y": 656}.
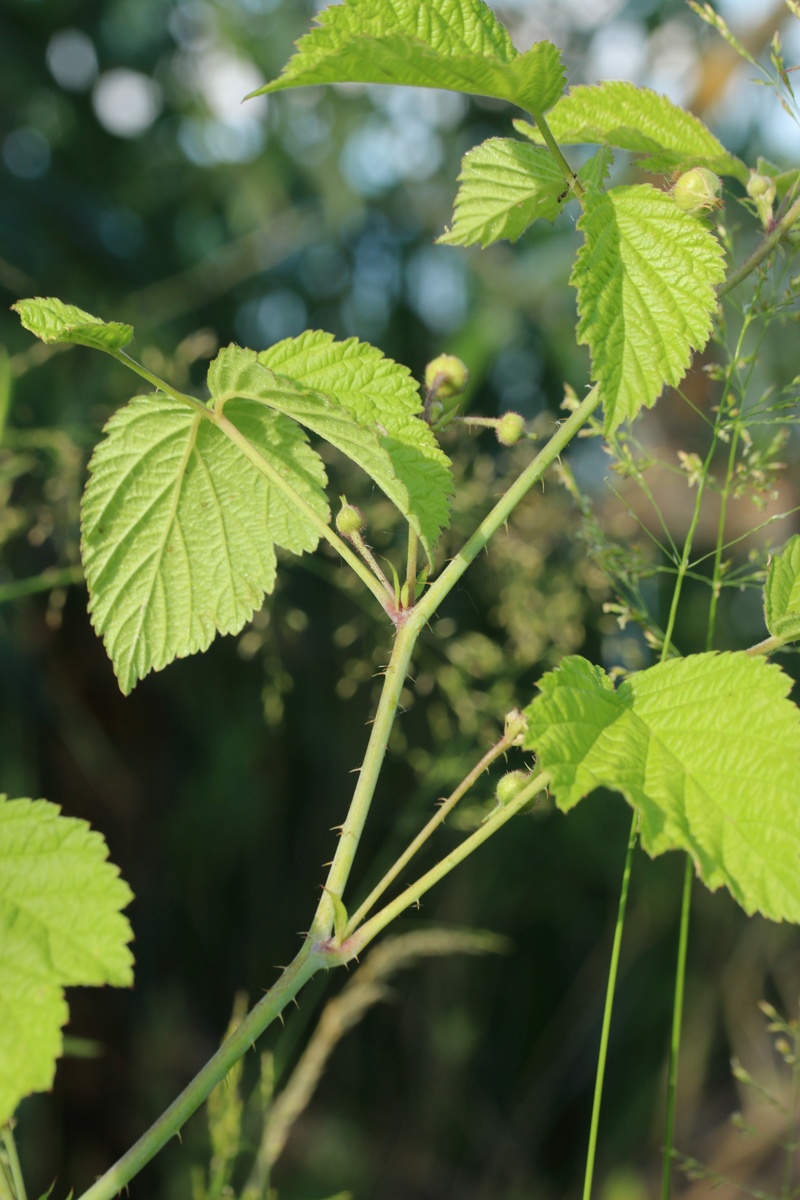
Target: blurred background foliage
{"x": 135, "y": 184}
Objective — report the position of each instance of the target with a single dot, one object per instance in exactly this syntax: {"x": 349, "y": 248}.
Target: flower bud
{"x": 350, "y": 520}
{"x": 761, "y": 190}
{"x": 510, "y": 786}
{"x": 446, "y": 376}
{"x": 510, "y": 428}
{"x": 697, "y": 190}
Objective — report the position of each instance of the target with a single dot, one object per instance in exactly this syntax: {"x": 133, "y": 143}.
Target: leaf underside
{"x": 645, "y": 278}
{"x": 621, "y": 114}
{"x": 704, "y": 748}
{"x": 63, "y": 324}
{"x": 458, "y": 45}
{"x": 179, "y": 529}
{"x": 504, "y": 186}
{"x": 382, "y": 397}
{"x": 782, "y": 592}
{"x": 60, "y": 925}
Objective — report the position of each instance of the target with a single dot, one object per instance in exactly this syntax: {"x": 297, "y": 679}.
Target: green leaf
{"x": 504, "y": 186}
{"x": 782, "y": 592}
{"x": 60, "y": 924}
{"x": 381, "y": 395}
{"x": 618, "y": 113}
{"x": 179, "y": 529}
{"x": 458, "y": 45}
{"x": 53, "y": 321}
{"x": 645, "y": 278}
{"x": 705, "y": 748}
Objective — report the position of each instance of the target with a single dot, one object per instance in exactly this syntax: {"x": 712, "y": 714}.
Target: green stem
{"x": 309, "y": 960}
{"x": 323, "y": 528}
{"x": 407, "y": 635}
{"x": 723, "y": 514}
{"x": 362, "y": 937}
{"x": 498, "y": 516}
{"x": 160, "y": 384}
{"x": 504, "y": 744}
{"x": 602, "y": 1056}
{"x": 766, "y": 647}
{"x": 10, "y": 1147}
{"x": 555, "y": 150}
{"x": 55, "y": 577}
{"x": 762, "y": 250}
{"x": 411, "y": 568}
{"x": 341, "y": 866}
{"x": 675, "y": 1040}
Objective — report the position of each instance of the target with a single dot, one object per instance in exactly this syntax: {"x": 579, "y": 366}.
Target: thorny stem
{"x": 309, "y": 960}
{"x": 444, "y": 810}
{"x": 360, "y": 939}
{"x": 372, "y": 562}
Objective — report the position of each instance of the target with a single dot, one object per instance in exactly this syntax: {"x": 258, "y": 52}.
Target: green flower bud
{"x": 350, "y": 520}
{"x": 510, "y": 428}
{"x": 446, "y": 376}
{"x": 510, "y": 786}
{"x": 697, "y": 190}
{"x": 761, "y": 190}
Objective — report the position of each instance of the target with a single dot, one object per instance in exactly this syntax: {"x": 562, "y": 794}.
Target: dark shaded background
{"x": 132, "y": 183}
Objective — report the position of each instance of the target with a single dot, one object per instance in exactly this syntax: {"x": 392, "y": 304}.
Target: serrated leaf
{"x": 645, "y": 278}
{"x": 782, "y": 592}
{"x": 504, "y": 186}
{"x": 60, "y": 924}
{"x": 618, "y": 113}
{"x": 458, "y": 45}
{"x": 705, "y": 748}
{"x": 53, "y": 321}
{"x": 595, "y": 170}
{"x": 380, "y": 394}
{"x": 179, "y": 528}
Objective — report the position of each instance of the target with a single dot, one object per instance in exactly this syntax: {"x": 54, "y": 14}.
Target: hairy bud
{"x": 510, "y": 428}
{"x": 446, "y": 375}
{"x": 761, "y": 190}
{"x": 350, "y": 520}
{"x": 697, "y": 190}
{"x": 510, "y": 786}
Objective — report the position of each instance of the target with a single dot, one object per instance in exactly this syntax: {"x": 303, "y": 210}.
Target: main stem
{"x": 677, "y": 1020}
{"x": 309, "y": 960}
{"x": 313, "y": 956}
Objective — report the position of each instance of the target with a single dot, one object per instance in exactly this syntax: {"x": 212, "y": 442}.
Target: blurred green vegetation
{"x": 134, "y": 184}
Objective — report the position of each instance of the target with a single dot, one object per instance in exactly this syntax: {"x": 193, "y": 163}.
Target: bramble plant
{"x": 189, "y": 499}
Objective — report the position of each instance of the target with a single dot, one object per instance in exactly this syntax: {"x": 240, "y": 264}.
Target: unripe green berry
{"x": 446, "y": 375}
{"x": 350, "y": 520}
{"x": 697, "y": 189}
{"x": 510, "y": 428}
{"x": 510, "y": 786}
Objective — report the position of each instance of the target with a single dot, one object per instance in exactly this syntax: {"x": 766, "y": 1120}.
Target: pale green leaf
{"x": 782, "y": 592}
{"x": 60, "y": 924}
{"x": 380, "y": 394}
{"x": 645, "y": 278}
{"x": 618, "y": 113}
{"x": 706, "y": 749}
{"x": 594, "y": 172}
{"x": 179, "y": 527}
{"x": 504, "y": 186}
{"x": 458, "y": 45}
{"x": 53, "y": 321}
